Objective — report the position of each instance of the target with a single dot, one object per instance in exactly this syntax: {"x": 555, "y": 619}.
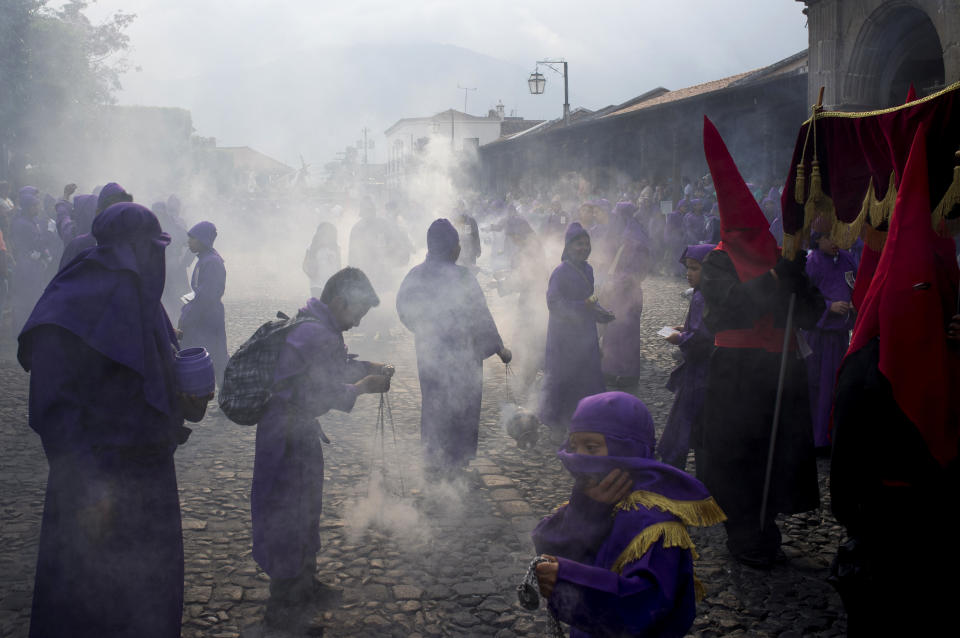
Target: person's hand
{"x": 547, "y": 575}
{"x": 69, "y": 190}
{"x": 194, "y": 407}
{"x": 178, "y": 332}
{"x": 953, "y": 330}
{"x": 840, "y": 307}
{"x": 505, "y": 355}
{"x": 591, "y": 300}
{"x": 678, "y": 328}
{"x": 614, "y": 487}
{"x": 373, "y": 384}
{"x": 387, "y": 370}
{"x": 674, "y": 338}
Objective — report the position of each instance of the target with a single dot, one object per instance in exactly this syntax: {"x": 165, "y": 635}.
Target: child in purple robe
{"x": 620, "y": 557}
{"x": 572, "y": 363}
{"x": 201, "y": 319}
{"x": 832, "y": 271}
{"x": 107, "y": 410}
{"x": 689, "y": 380}
{"x": 442, "y": 304}
{"x": 314, "y": 374}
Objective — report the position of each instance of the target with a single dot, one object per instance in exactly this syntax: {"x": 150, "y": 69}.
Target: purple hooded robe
{"x": 442, "y": 304}
{"x": 100, "y": 350}
{"x": 314, "y": 375}
{"x": 201, "y": 319}
{"x": 625, "y": 569}
{"x": 76, "y": 229}
{"x": 572, "y": 362}
{"x": 688, "y": 381}
{"x": 623, "y": 295}
{"x": 831, "y": 337}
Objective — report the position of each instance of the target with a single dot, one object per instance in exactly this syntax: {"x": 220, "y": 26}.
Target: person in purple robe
{"x": 688, "y": 381}
{"x": 85, "y": 210}
{"x": 29, "y": 251}
{"x": 674, "y": 239}
{"x": 103, "y": 398}
{"x": 622, "y": 355}
{"x": 202, "y": 321}
{"x": 619, "y": 556}
{"x": 831, "y": 270}
{"x": 442, "y": 304}
{"x": 314, "y": 374}
{"x": 572, "y": 362}
{"x": 179, "y": 258}
{"x": 694, "y": 225}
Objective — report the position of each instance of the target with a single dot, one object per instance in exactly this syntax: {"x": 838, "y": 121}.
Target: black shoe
{"x": 325, "y": 596}
{"x": 756, "y": 560}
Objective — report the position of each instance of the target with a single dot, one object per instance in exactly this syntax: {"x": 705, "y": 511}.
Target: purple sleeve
{"x": 486, "y": 337}
{"x": 647, "y": 595}
{"x": 576, "y": 530}
{"x": 211, "y": 281}
{"x": 312, "y": 371}
{"x": 695, "y": 340}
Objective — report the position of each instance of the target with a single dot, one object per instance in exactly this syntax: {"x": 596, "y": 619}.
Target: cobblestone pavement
{"x": 414, "y": 559}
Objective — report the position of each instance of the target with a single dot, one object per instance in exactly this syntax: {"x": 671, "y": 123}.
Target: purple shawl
{"x": 697, "y": 252}
{"x": 110, "y": 299}
{"x": 205, "y": 232}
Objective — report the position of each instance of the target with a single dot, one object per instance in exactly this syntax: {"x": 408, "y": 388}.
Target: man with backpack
{"x": 313, "y": 374}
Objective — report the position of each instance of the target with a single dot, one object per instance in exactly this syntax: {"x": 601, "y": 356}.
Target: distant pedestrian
{"x": 322, "y": 258}
{"x": 442, "y": 304}
{"x": 572, "y": 362}
{"x": 201, "y": 318}
{"x": 103, "y": 399}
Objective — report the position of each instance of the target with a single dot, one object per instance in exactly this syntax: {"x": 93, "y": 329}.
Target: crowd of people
{"x": 91, "y": 283}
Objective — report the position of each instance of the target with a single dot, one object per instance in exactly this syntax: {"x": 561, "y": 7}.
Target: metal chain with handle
{"x": 528, "y": 593}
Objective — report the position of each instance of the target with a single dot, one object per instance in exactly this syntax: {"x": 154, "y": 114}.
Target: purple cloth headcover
{"x": 28, "y": 202}
{"x": 109, "y": 297}
{"x": 625, "y": 423}
{"x": 574, "y": 232}
{"x": 697, "y": 252}
{"x": 442, "y": 239}
{"x": 112, "y": 194}
{"x": 205, "y": 232}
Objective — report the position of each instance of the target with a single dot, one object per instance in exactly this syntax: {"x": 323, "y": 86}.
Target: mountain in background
{"x": 318, "y": 102}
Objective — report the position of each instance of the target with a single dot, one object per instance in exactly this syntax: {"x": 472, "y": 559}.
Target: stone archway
{"x": 897, "y": 45}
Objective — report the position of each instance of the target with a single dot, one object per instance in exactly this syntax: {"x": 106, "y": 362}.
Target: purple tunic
{"x": 625, "y": 569}
{"x": 623, "y": 296}
{"x": 442, "y": 304}
{"x": 100, "y": 351}
{"x": 830, "y": 339}
{"x": 572, "y": 362}
{"x": 314, "y": 375}
{"x": 689, "y": 383}
{"x": 202, "y": 319}
{"x": 694, "y": 226}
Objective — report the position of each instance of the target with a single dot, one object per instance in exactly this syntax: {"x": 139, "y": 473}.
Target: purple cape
{"x": 625, "y": 569}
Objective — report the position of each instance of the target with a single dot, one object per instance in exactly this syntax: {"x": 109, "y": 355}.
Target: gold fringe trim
{"x": 942, "y": 222}
{"x": 875, "y": 239}
{"x": 672, "y": 533}
{"x": 952, "y": 87}
{"x": 560, "y": 506}
{"x": 697, "y": 513}
{"x": 791, "y": 244}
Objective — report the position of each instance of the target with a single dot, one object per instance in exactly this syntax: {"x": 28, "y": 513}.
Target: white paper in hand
{"x": 665, "y": 331}
{"x": 187, "y": 298}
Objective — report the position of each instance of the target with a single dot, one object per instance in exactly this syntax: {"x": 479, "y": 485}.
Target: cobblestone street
{"x": 414, "y": 559}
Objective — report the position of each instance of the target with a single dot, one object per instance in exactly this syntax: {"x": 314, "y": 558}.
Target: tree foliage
{"x": 55, "y": 64}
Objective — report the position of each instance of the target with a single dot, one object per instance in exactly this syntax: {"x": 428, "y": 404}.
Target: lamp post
{"x": 536, "y": 82}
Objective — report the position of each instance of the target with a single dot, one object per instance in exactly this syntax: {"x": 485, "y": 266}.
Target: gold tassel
{"x": 697, "y": 513}
{"x": 819, "y": 211}
{"x": 672, "y": 533}
{"x": 845, "y": 234}
{"x": 945, "y": 224}
{"x": 790, "y": 246}
{"x": 699, "y": 590}
{"x": 801, "y": 184}
{"x": 880, "y": 210}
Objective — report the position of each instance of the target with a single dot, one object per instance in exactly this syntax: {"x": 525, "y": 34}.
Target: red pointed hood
{"x": 911, "y": 295}
{"x": 911, "y": 94}
{"x": 744, "y": 230}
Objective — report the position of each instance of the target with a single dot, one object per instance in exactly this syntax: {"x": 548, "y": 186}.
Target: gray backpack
{"x": 248, "y": 377}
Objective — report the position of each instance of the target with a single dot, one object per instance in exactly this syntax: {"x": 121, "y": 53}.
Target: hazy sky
{"x": 193, "y": 53}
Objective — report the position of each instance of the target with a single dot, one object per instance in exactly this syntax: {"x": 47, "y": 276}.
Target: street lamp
{"x": 536, "y": 82}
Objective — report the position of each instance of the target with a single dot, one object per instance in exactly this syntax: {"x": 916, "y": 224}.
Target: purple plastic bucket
{"x": 194, "y": 372}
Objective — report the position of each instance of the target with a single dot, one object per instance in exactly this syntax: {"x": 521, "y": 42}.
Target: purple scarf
{"x": 109, "y": 297}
